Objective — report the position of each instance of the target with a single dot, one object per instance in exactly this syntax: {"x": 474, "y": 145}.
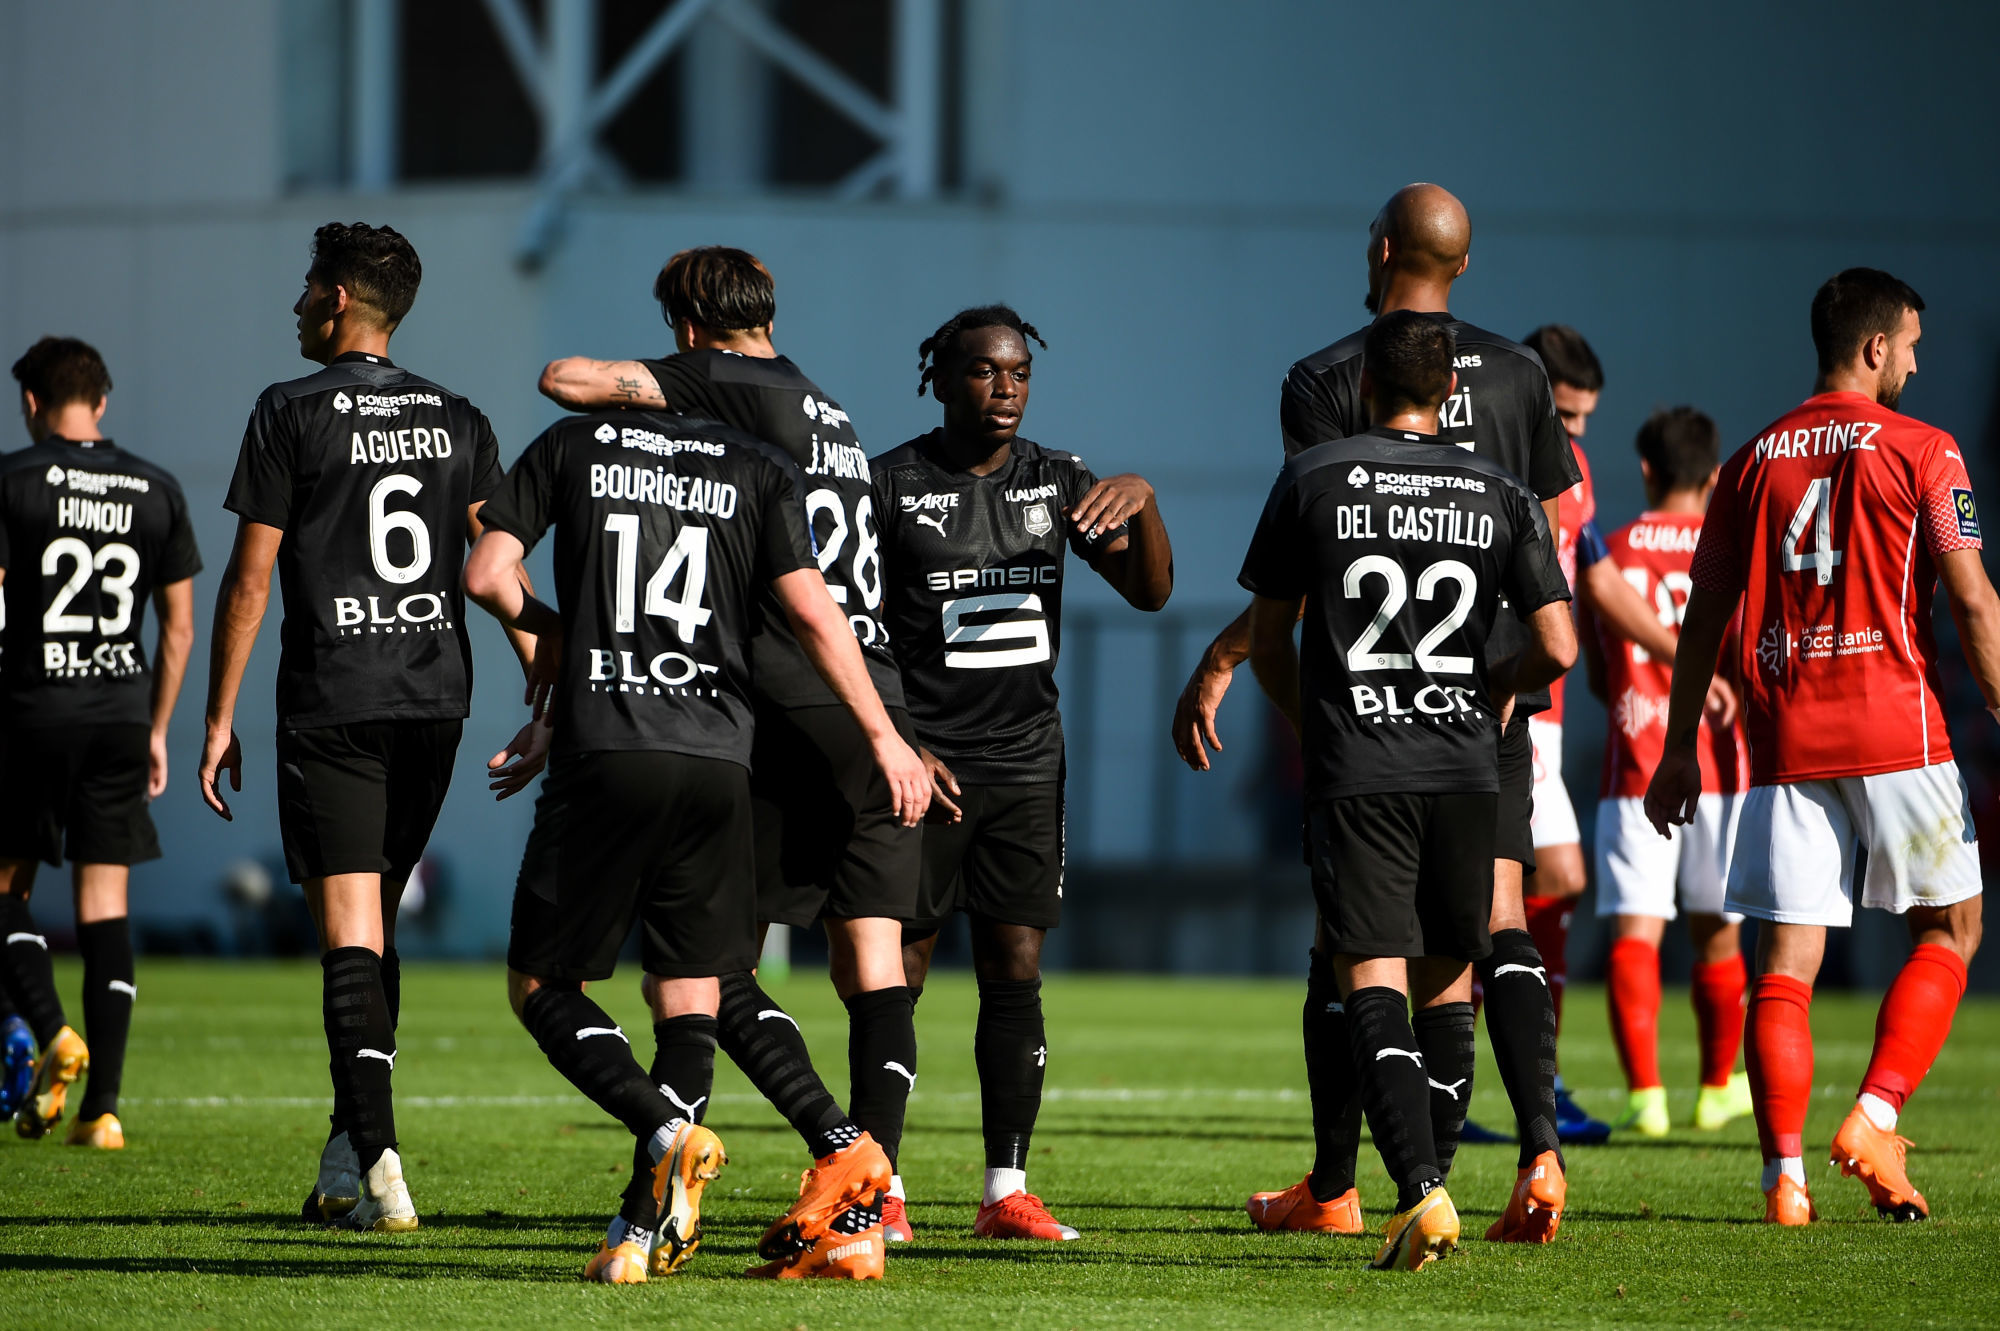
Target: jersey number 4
{"x": 1362, "y": 656}
{"x": 688, "y": 553}
{"x": 1815, "y": 509}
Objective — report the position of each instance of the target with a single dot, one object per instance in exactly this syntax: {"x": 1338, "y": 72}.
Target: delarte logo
{"x": 342, "y": 403}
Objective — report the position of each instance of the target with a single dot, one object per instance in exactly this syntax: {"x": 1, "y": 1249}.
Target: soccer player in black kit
{"x": 671, "y": 534}
{"x": 89, "y": 534}
{"x": 1501, "y": 410}
{"x": 975, "y": 521}
{"x": 362, "y": 484}
{"x": 1400, "y": 549}
{"x": 828, "y": 845}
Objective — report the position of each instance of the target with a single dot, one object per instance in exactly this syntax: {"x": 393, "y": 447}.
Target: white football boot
{"x": 339, "y": 1185}
{"x": 384, "y": 1206}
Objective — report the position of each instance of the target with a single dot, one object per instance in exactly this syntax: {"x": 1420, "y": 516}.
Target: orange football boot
{"x": 896, "y": 1220}
{"x": 622, "y": 1265}
{"x": 833, "y": 1256}
{"x": 1876, "y": 1157}
{"x": 1534, "y": 1211}
{"x": 1019, "y": 1215}
{"x": 1789, "y": 1203}
{"x": 1420, "y": 1235}
{"x": 1295, "y": 1208}
{"x": 852, "y": 1174}
{"x": 60, "y": 1065}
{"x": 684, "y": 1172}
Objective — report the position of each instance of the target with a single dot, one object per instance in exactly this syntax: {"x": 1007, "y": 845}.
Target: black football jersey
{"x": 87, "y": 533}
{"x": 1402, "y": 548}
{"x": 1502, "y": 410}
{"x": 773, "y": 400}
{"x": 669, "y": 531}
{"x": 975, "y": 601}
{"x": 368, "y": 469}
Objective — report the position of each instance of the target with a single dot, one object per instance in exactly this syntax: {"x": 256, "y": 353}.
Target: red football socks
{"x": 1780, "y": 1057}
{"x": 1633, "y": 978}
{"x": 1548, "y": 925}
{"x": 1718, "y": 1016}
{"x": 1914, "y": 1020}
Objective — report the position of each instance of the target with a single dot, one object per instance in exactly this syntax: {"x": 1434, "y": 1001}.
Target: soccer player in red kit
{"x": 1640, "y": 878}
{"x": 1832, "y": 529}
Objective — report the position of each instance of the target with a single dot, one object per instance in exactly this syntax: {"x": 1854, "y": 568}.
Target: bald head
{"x": 1427, "y": 229}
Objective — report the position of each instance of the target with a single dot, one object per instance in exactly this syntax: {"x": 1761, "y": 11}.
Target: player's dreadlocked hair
{"x": 931, "y": 352}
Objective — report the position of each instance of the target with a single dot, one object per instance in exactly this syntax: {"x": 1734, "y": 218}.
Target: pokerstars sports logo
{"x": 54, "y": 475}
{"x": 1774, "y": 647}
{"x": 342, "y": 403}
{"x": 1358, "y": 478}
{"x": 607, "y": 434}
{"x": 823, "y": 412}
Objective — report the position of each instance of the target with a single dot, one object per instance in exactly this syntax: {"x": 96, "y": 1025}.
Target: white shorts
{"x": 1908, "y": 835}
{"x": 1554, "y": 820}
{"x": 1638, "y": 870}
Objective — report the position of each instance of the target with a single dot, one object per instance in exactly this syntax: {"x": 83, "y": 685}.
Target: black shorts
{"x": 659, "y": 838}
{"x": 827, "y": 843}
{"x": 78, "y": 793}
{"x": 1003, "y": 860}
{"x": 362, "y": 797}
{"x": 1404, "y": 875}
{"x": 1513, "y": 832}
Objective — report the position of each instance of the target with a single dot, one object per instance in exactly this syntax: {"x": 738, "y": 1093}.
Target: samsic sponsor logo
{"x": 958, "y": 579}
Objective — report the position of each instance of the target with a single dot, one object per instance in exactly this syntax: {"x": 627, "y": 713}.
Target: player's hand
{"x": 543, "y": 672}
{"x": 1110, "y": 503}
{"x": 509, "y": 771}
{"x": 1194, "y": 714}
{"x": 941, "y": 780}
{"x": 221, "y": 752}
{"x": 1675, "y": 790}
{"x": 909, "y": 779}
{"x": 1720, "y": 705}
{"x": 156, "y": 767}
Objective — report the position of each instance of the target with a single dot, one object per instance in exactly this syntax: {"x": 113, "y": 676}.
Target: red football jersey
{"x": 1828, "y": 524}
{"x": 1574, "y": 507}
{"x": 1654, "y": 553}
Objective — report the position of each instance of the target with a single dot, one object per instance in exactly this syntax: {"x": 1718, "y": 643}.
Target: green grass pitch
{"x": 1170, "y": 1100}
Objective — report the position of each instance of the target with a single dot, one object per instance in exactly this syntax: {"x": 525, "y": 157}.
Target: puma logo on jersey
{"x": 1516, "y": 968}
{"x": 934, "y": 522}
{"x": 1410, "y": 1054}
{"x": 389, "y": 1058}
{"x": 1451, "y": 1090}
{"x": 588, "y": 1031}
{"x": 901, "y": 1071}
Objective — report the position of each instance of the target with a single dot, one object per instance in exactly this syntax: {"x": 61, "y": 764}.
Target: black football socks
{"x": 1521, "y": 1024}
{"x": 684, "y": 1070}
{"x": 392, "y": 986}
{"x": 361, "y": 1050}
{"x": 582, "y": 1042}
{"x": 762, "y": 1039}
{"x": 1444, "y": 1038}
{"x": 1330, "y": 1076}
{"x": 1394, "y": 1090}
{"x": 108, "y": 995}
{"x": 1010, "y": 1050}
{"x": 881, "y": 1063}
{"x": 31, "y": 977}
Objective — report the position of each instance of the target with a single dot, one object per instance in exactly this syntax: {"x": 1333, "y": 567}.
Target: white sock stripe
{"x": 36, "y": 939}
{"x": 589, "y": 1031}
{"x": 124, "y": 987}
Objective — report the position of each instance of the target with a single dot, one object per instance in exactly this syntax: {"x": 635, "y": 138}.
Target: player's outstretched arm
{"x": 1604, "y": 590}
{"x": 828, "y": 640}
{"x": 1976, "y": 610}
{"x": 239, "y": 611}
{"x": 495, "y": 578}
{"x": 583, "y": 384}
{"x": 1675, "y": 789}
{"x": 1139, "y": 564}
{"x": 1274, "y": 657}
{"x": 173, "y": 605}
